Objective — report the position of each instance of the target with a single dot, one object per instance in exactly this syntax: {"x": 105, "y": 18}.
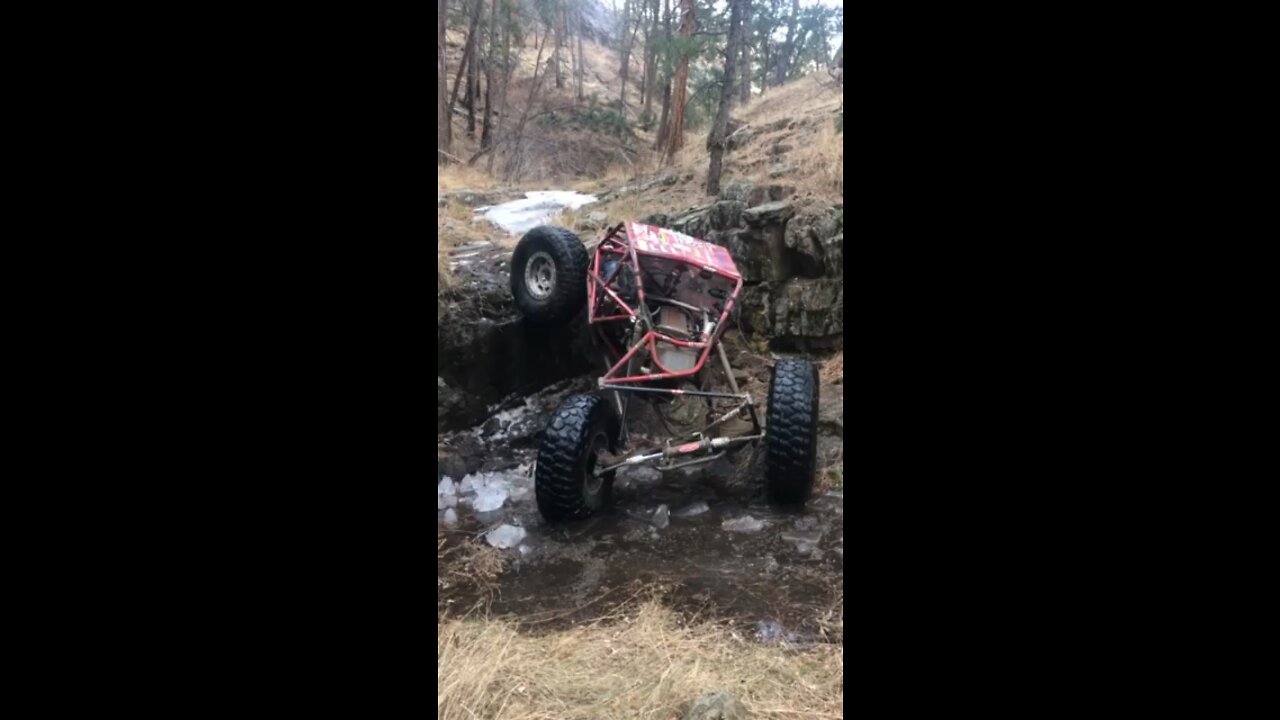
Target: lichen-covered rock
{"x": 740, "y": 138}
{"x": 774, "y": 212}
{"x": 797, "y": 314}
{"x": 695, "y": 223}
{"x": 769, "y": 193}
{"x": 726, "y": 214}
{"x": 719, "y": 705}
{"x": 739, "y": 190}
{"x": 753, "y": 255}
{"x": 808, "y": 312}
{"x": 833, "y": 250}
{"x": 806, "y": 237}
{"x": 779, "y": 169}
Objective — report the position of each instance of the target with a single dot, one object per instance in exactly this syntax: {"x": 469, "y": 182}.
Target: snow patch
{"x": 744, "y": 524}
{"x": 520, "y": 216}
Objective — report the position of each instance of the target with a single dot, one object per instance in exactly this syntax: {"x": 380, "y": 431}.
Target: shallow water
{"x": 706, "y": 539}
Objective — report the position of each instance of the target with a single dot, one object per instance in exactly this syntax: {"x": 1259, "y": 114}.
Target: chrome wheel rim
{"x": 540, "y": 275}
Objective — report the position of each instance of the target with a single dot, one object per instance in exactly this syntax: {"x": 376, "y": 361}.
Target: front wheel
{"x": 791, "y": 435}
{"x": 549, "y": 274}
{"x": 565, "y": 484}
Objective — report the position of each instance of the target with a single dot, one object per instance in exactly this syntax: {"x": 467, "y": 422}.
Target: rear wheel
{"x": 549, "y": 274}
{"x": 565, "y": 483}
{"x": 791, "y": 436}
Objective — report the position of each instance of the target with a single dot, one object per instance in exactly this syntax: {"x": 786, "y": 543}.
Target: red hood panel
{"x": 650, "y": 240}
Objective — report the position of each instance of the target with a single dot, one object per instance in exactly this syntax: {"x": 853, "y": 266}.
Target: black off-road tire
{"x": 558, "y": 297}
{"x": 563, "y": 481}
{"x": 791, "y": 432}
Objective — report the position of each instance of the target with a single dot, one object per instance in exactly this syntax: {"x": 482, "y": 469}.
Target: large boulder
{"x": 726, "y": 214}
{"x": 806, "y": 237}
{"x": 755, "y": 257}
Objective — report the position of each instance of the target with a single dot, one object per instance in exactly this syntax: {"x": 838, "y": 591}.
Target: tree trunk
{"x": 675, "y": 139}
{"x": 457, "y": 81}
{"x": 744, "y": 84}
{"x": 767, "y": 46}
{"x": 664, "y": 125}
{"x": 784, "y": 57}
{"x": 506, "y": 76}
{"x": 490, "y": 66}
{"x": 651, "y": 60}
{"x": 444, "y": 130}
{"x": 581, "y": 27}
{"x": 473, "y": 61}
{"x": 720, "y": 128}
{"x": 559, "y": 43}
{"x": 626, "y": 51}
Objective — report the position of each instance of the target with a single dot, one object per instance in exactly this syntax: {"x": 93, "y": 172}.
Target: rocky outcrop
{"x": 806, "y": 239}
{"x": 790, "y": 252}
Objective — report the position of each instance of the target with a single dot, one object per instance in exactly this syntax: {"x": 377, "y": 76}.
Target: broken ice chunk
{"x": 450, "y": 517}
{"x": 744, "y": 524}
{"x": 489, "y": 498}
{"x": 662, "y": 518}
{"x": 693, "y": 510}
{"x": 505, "y": 537}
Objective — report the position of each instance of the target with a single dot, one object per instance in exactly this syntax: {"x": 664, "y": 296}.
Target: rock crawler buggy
{"x": 658, "y": 303}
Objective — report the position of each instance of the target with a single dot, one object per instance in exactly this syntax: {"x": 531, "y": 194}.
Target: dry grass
{"x": 458, "y": 176}
{"x": 832, "y": 371}
{"x": 467, "y": 561}
{"x": 444, "y": 278}
{"x": 459, "y": 212}
{"x": 641, "y": 667}
{"x": 821, "y": 161}
{"x": 805, "y": 96}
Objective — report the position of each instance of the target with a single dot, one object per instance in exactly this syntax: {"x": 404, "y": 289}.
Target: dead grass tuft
{"x": 644, "y": 666}
{"x": 821, "y": 161}
{"x": 832, "y": 370}
{"x": 444, "y": 278}
{"x": 463, "y": 560}
{"x": 458, "y": 211}
{"x": 457, "y": 176}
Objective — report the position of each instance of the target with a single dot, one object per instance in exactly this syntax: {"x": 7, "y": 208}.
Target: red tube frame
{"x": 614, "y": 244}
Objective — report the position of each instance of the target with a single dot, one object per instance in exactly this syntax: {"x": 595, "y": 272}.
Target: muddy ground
{"x": 703, "y": 539}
